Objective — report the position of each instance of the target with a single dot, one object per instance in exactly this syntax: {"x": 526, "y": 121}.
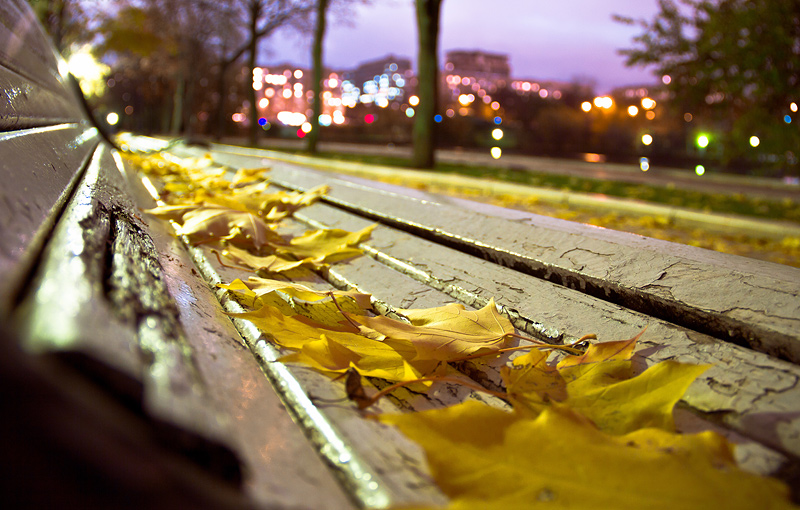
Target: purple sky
{"x": 555, "y": 40}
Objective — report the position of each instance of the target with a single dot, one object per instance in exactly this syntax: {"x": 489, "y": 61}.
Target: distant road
{"x": 657, "y": 176}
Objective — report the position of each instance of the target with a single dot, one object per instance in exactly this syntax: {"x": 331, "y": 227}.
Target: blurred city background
{"x": 691, "y": 104}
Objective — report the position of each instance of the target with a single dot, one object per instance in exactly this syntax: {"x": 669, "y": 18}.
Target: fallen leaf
{"x": 269, "y": 264}
{"x": 209, "y": 223}
{"x": 600, "y": 385}
{"x": 484, "y": 458}
{"x": 334, "y": 348}
{"x": 325, "y": 246}
{"x": 444, "y": 333}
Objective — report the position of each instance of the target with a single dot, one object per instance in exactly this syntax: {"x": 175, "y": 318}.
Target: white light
{"x": 648, "y": 103}
{"x": 306, "y": 127}
{"x": 699, "y": 169}
{"x": 413, "y": 100}
{"x": 112, "y": 118}
{"x": 644, "y": 164}
{"x": 754, "y": 141}
{"x": 497, "y": 133}
{"x": 298, "y": 74}
{"x": 409, "y": 112}
{"x": 263, "y": 102}
{"x": 793, "y": 107}
{"x": 647, "y": 139}
{"x": 291, "y": 118}
{"x": 496, "y": 152}
{"x": 88, "y": 71}
{"x": 666, "y": 79}
{"x": 632, "y": 111}
{"x": 586, "y": 106}
{"x": 287, "y": 93}
{"x": 325, "y": 120}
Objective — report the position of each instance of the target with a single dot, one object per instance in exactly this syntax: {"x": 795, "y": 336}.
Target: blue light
{"x": 498, "y": 120}
{"x": 787, "y": 119}
{"x": 437, "y": 118}
{"x": 262, "y": 121}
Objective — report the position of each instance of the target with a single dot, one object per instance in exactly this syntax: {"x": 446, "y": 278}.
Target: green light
{"x": 702, "y": 141}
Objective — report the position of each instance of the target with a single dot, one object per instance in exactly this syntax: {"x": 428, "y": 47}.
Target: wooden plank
{"x": 192, "y": 373}
{"x": 744, "y": 389}
{"x": 26, "y": 49}
{"x": 27, "y": 104}
{"x": 281, "y": 468}
{"x": 39, "y": 168}
{"x": 744, "y": 301}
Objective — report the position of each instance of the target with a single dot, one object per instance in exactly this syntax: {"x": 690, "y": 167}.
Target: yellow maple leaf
{"x": 600, "y": 385}
{"x": 269, "y": 264}
{"x": 336, "y": 348}
{"x": 246, "y": 176}
{"x": 484, "y": 458}
{"x": 324, "y": 307}
{"x": 213, "y": 223}
{"x": 325, "y": 246}
{"x": 444, "y": 333}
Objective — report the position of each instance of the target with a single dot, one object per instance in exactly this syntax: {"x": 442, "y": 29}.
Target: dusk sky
{"x": 544, "y": 40}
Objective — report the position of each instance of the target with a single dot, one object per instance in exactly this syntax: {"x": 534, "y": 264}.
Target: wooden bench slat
{"x": 197, "y": 377}
{"x": 39, "y": 168}
{"x": 742, "y": 386}
{"x": 26, "y": 49}
{"x": 735, "y": 299}
{"x": 29, "y": 104}
{"x": 281, "y": 467}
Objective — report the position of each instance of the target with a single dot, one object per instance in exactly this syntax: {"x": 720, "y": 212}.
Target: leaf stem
{"x": 537, "y": 345}
{"x": 352, "y": 323}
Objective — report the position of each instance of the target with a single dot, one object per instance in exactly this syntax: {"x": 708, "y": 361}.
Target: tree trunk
{"x": 177, "y": 104}
{"x": 316, "y": 75}
{"x": 219, "y": 108}
{"x": 255, "y": 12}
{"x": 424, "y": 135}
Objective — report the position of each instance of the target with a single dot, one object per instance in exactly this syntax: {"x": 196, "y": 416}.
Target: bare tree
{"x": 262, "y": 18}
{"x": 424, "y": 135}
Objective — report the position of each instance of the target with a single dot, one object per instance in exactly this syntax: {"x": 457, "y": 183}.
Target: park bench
{"x": 118, "y": 355}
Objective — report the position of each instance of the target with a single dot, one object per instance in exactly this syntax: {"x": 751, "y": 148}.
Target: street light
{"x": 702, "y": 141}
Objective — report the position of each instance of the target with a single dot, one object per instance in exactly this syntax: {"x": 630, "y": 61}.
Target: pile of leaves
{"x": 239, "y": 217}
{"x": 583, "y": 428}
